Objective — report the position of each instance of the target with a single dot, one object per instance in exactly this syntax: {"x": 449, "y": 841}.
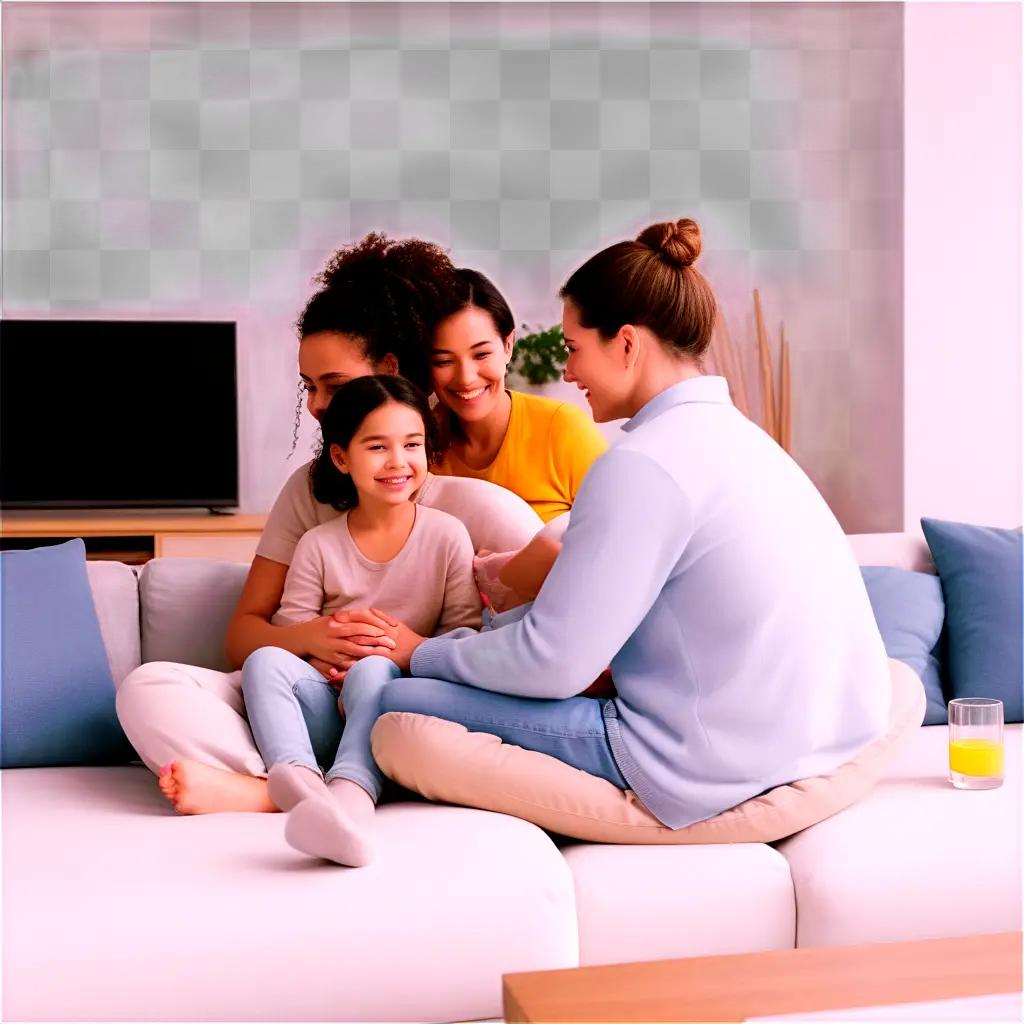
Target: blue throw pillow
{"x": 981, "y": 572}
{"x": 909, "y": 610}
{"x": 56, "y": 691}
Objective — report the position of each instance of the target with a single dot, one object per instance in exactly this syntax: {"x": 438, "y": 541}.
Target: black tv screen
{"x": 117, "y": 414}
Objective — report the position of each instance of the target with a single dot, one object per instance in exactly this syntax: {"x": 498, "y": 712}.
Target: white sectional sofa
{"x": 117, "y": 909}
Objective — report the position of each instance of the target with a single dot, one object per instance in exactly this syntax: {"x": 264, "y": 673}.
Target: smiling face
{"x": 597, "y": 367}
{"x": 327, "y": 360}
{"x": 468, "y": 363}
{"x": 387, "y": 457}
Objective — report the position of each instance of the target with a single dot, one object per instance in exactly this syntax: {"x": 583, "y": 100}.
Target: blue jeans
{"x": 294, "y": 717}
{"x": 293, "y": 714}
{"x": 571, "y": 730}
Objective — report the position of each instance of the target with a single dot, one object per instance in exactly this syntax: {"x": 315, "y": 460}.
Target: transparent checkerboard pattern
{"x": 166, "y": 156}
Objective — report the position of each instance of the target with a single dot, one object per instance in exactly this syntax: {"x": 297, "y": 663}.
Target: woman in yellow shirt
{"x": 537, "y": 447}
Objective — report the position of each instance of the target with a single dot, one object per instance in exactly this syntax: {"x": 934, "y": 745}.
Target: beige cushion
{"x": 444, "y": 761}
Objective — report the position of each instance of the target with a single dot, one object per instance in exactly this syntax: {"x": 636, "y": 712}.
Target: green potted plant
{"x": 539, "y": 356}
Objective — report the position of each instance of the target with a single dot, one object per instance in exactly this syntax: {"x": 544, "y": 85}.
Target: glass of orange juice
{"x": 976, "y": 742}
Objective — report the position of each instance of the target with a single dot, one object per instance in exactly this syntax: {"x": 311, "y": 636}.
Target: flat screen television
{"x": 118, "y": 414}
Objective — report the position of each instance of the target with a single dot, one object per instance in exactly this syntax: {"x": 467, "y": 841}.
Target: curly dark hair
{"x": 349, "y": 406}
{"x": 388, "y": 294}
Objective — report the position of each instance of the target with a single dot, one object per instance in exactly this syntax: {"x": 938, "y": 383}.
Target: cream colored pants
{"x": 174, "y": 711}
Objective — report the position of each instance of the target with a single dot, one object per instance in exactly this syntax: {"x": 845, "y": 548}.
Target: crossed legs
{"x": 329, "y": 815}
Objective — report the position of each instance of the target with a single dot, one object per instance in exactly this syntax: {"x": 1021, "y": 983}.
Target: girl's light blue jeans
{"x": 293, "y": 714}
{"x": 294, "y": 717}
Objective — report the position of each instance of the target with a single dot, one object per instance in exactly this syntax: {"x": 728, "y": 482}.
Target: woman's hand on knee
{"x": 364, "y": 631}
{"x": 406, "y": 642}
{"x": 334, "y": 641}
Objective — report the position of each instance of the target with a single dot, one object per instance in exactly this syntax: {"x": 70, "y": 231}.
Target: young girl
{"x": 384, "y": 551}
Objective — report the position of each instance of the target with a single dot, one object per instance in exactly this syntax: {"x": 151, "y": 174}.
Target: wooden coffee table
{"x": 735, "y": 988}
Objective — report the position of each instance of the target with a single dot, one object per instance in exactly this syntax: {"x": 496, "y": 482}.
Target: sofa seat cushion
{"x": 122, "y": 910}
{"x": 680, "y": 901}
{"x": 444, "y": 761}
{"x": 916, "y": 858}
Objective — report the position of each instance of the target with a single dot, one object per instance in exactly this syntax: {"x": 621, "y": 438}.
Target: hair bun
{"x": 678, "y": 243}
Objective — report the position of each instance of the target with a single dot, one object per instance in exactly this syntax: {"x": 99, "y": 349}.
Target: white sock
{"x": 290, "y": 784}
{"x": 338, "y": 828}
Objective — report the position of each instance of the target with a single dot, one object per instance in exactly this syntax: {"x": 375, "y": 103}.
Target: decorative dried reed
{"x": 733, "y": 370}
{"x": 768, "y": 418}
{"x": 785, "y": 437}
{"x": 776, "y": 413}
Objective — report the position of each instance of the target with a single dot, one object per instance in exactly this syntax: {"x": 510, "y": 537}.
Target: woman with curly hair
{"x": 374, "y": 313}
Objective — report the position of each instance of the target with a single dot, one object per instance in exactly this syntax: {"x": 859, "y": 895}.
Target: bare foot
{"x": 195, "y": 788}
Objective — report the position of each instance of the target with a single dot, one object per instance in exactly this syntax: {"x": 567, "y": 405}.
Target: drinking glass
{"x": 976, "y": 743}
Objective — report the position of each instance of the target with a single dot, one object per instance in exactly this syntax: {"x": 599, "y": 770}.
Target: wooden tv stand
{"x": 135, "y": 537}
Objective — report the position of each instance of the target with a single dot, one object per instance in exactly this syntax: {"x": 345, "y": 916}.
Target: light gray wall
{"x": 203, "y": 160}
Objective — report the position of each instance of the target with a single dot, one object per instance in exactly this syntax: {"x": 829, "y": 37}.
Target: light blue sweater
{"x": 704, "y": 566}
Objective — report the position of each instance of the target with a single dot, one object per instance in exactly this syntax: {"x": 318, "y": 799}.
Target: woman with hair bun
{"x": 700, "y": 562}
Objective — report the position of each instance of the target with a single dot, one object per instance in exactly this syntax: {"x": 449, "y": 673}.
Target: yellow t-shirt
{"x": 547, "y": 450}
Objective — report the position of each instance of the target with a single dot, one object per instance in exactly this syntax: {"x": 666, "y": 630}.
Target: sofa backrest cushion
{"x": 981, "y": 572}
{"x": 187, "y": 602}
{"x": 115, "y": 594}
{"x": 186, "y": 606}
{"x": 910, "y": 612}
{"x": 57, "y": 704}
